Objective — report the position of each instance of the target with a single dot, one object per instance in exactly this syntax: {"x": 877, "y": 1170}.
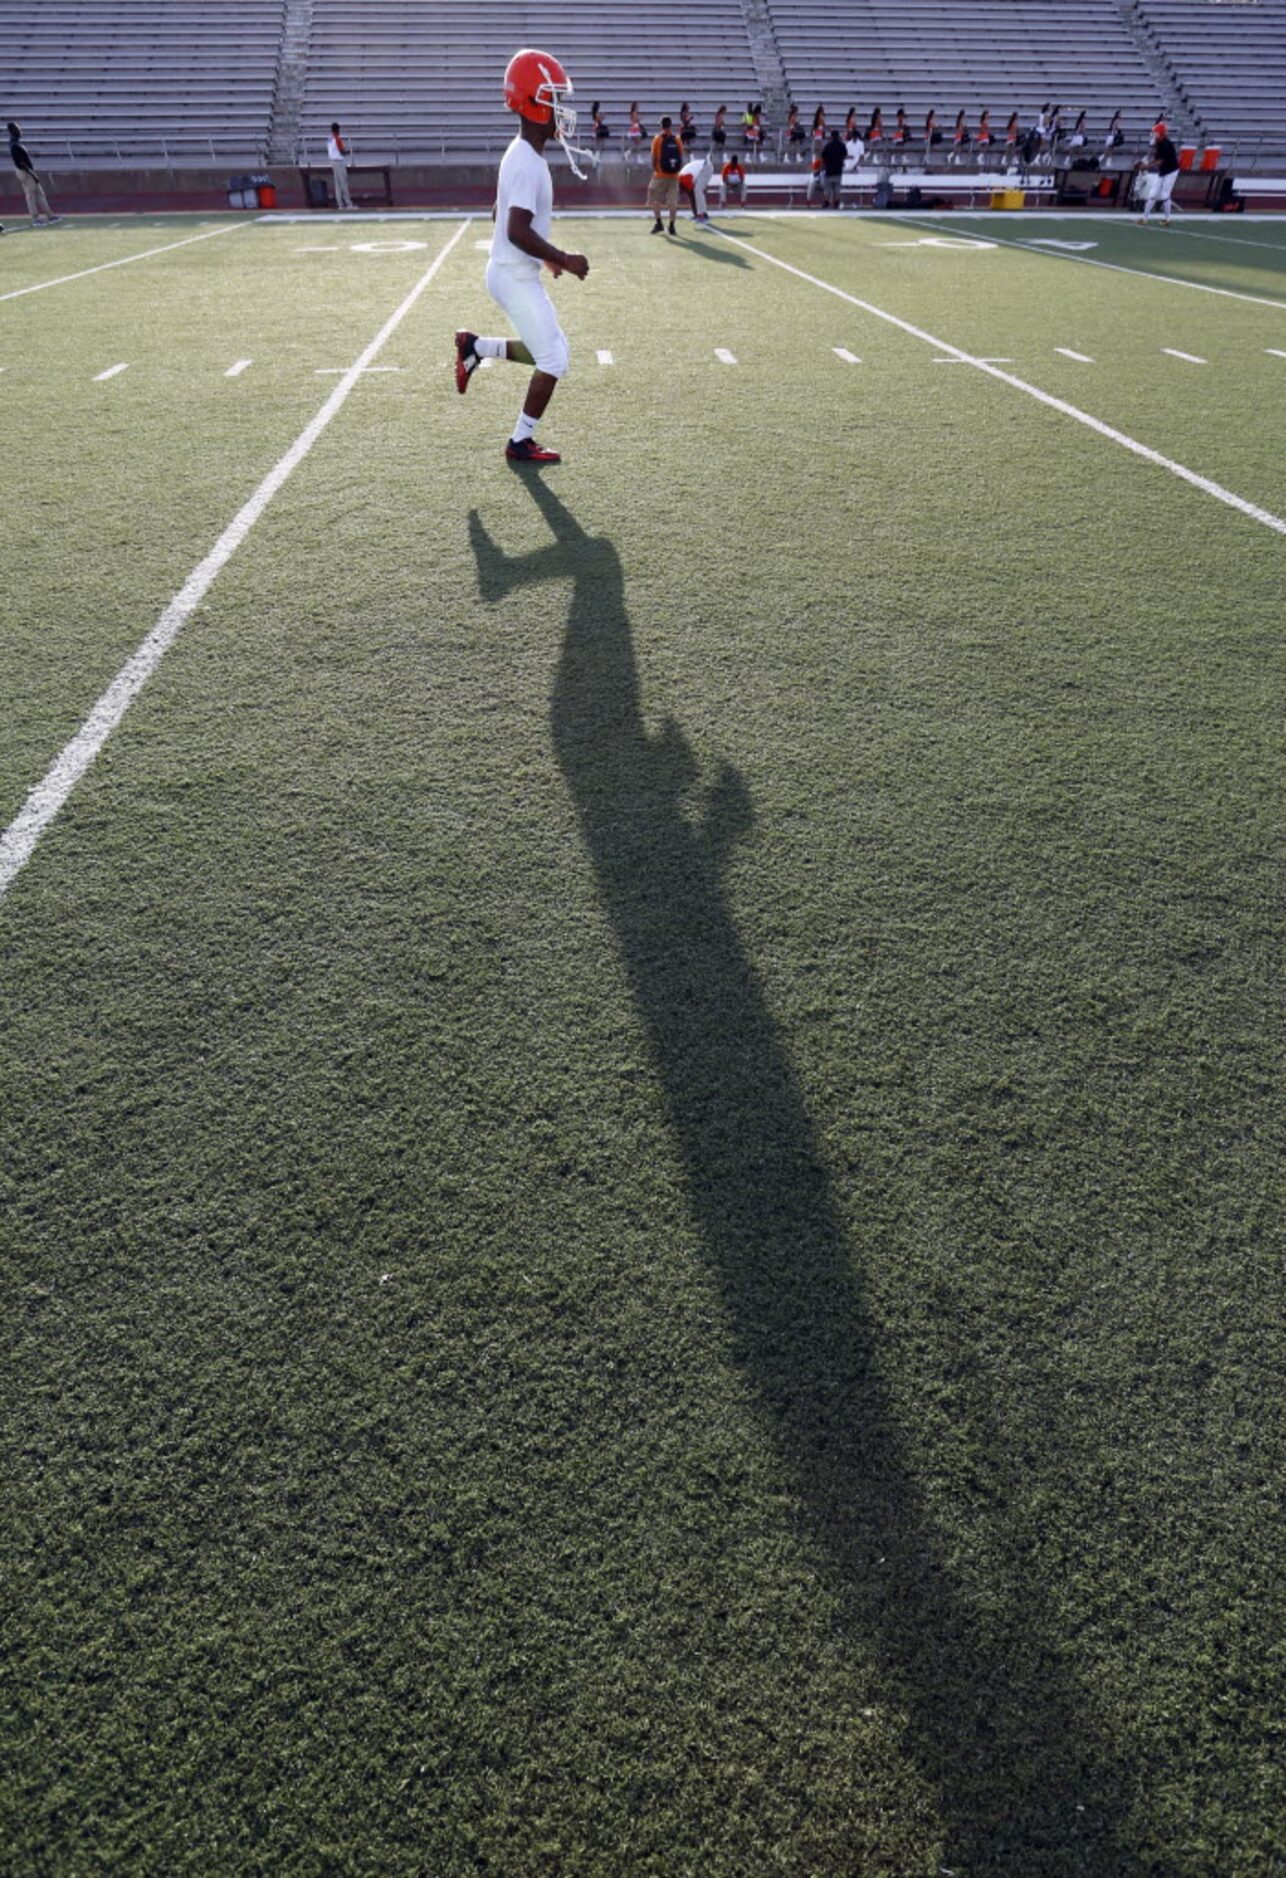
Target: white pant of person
{"x": 531, "y": 313}
{"x": 37, "y": 200}
{"x": 342, "y": 198}
{"x": 1160, "y": 190}
{"x": 697, "y": 197}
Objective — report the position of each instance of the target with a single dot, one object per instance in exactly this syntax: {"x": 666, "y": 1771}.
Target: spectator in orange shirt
{"x": 667, "y": 161}
{"x": 733, "y": 176}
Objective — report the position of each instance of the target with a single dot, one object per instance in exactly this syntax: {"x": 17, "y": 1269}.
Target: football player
{"x": 537, "y": 88}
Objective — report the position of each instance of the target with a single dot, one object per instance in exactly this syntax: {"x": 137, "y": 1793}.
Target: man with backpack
{"x": 667, "y": 161}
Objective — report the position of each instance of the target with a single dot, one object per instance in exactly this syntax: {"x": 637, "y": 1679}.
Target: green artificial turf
{"x": 640, "y": 1127}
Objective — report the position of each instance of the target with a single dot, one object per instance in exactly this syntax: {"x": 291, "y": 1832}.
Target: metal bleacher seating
{"x": 948, "y": 55}
{"x": 414, "y": 78}
{"x": 1229, "y": 63}
{"x": 183, "y": 81}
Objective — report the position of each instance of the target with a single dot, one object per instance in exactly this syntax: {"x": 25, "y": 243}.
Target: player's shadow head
{"x": 990, "y": 1720}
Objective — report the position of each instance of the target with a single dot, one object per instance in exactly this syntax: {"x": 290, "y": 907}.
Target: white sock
{"x": 490, "y": 348}
{"x": 524, "y": 428}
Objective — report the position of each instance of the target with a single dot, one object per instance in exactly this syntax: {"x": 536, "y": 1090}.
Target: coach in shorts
{"x": 667, "y": 161}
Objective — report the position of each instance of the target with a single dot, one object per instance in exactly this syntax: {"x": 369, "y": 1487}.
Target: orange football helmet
{"x": 537, "y": 88}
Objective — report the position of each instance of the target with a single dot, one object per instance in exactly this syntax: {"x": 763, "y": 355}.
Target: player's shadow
{"x": 711, "y": 250}
{"x": 1022, "y": 1785}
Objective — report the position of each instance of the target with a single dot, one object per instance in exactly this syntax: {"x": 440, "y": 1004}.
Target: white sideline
{"x": 1204, "y": 483}
{"x": 1116, "y": 267}
{"x": 16, "y": 293}
{"x": 18, "y": 842}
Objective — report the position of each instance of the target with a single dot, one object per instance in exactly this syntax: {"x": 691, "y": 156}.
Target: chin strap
{"x": 572, "y": 152}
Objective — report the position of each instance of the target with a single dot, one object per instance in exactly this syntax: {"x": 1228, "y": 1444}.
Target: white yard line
{"x": 235, "y": 371}
{"x": 1191, "y": 357}
{"x": 1204, "y": 483}
{"x": 16, "y": 293}
{"x": 337, "y": 371}
{"x": 1082, "y": 358}
{"x": 111, "y": 372}
{"x": 849, "y": 358}
{"x": 19, "y": 840}
{"x": 724, "y": 356}
{"x": 605, "y": 358}
{"x": 1273, "y": 353}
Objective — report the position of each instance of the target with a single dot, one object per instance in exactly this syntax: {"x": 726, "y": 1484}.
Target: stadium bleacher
{"x": 1228, "y": 59}
{"x": 223, "y": 82}
{"x": 945, "y": 55}
{"x": 193, "y": 80}
{"x": 425, "y": 78}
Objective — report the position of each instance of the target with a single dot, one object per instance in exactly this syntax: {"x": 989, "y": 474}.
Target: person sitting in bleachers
{"x": 688, "y": 132}
{"x": 901, "y": 129}
{"x": 819, "y": 128}
{"x": 1078, "y": 137}
{"x": 982, "y": 142}
{"x": 854, "y": 150}
{"x": 932, "y": 134}
{"x": 796, "y": 136}
{"x": 719, "y": 132}
{"x": 635, "y": 134}
{"x": 602, "y": 130}
{"x": 875, "y": 129}
{"x": 1114, "y": 139}
{"x": 1012, "y": 138}
{"x": 960, "y": 138}
{"x": 754, "y": 135}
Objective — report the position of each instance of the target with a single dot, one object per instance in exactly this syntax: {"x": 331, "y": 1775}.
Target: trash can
{"x": 240, "y": 193}
{"x": 318, "y": 193}
{"x": 267, "y": 195}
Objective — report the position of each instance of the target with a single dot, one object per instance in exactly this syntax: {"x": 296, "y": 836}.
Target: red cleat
{"x": 529, "y": 451}
{"x": 466, "y": 360}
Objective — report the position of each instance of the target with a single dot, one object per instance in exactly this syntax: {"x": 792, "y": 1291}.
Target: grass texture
{"x": 640, "y": 1124}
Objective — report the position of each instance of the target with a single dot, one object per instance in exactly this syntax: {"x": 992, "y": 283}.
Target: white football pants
{"x": 531, "y": 313}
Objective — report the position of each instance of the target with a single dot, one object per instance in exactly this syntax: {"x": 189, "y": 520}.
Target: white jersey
{"x": 524, "y": 183}
{"x": 699, "y": 170}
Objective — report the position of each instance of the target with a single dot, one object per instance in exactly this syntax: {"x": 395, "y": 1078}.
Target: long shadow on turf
{"x": 1023, "y": 1786}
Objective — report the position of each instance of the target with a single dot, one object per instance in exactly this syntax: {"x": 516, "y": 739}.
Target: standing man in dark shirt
{"x": 1164, "y": 165}
{"x": 834, "y": 157}
{"x": 32, "y": 188}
